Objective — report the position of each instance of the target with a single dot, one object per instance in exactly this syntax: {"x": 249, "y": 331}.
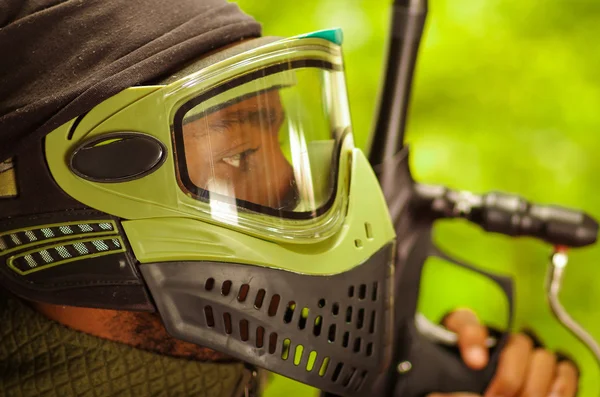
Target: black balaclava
{"x": 60, "y": 58}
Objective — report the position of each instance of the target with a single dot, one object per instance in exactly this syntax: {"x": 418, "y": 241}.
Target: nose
{"x": 291, "y": 198}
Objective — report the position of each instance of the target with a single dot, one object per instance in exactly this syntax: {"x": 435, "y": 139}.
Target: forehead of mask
{"x": 286, "y": 115}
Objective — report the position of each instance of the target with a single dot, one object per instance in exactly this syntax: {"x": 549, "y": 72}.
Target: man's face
{"x": 235, "y": 151}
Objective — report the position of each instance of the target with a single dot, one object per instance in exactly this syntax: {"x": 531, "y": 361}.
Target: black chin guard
{"x": 332, "y": 332}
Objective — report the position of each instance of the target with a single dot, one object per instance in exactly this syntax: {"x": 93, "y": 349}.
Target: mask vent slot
{"x": 346, "y": 339}
{"x": 337, "y": 372}
{"x": 289, "y": 312}
{"x": 332, "y": 330}
{"x": 303, "y": 316}
{"x": 227, "y": 323}
{"x": 243, "y": 294}
{"x": 260, "y": 336}
{"x": 369, "y": 349}
{"x": 260, "y": 297}
{"x": 317, "y": 326}
{"x": 208, "y": 313}
{"x": 226, "y": 288}
{"x": 274, "y": 305}
{"x": 335, "y": 309}
{"x": 362, "y": 292}
{"x": 272, "y": 342}
{"x": 360, "y": 319}
{"x": 244, "y": 334}
{"x": 372, "y": 324}
{"x": 210, "y": 284}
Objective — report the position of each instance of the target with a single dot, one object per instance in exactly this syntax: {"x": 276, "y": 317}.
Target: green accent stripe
{"x": 335, "y": 35}
{"x": 76, "y": 231}
{"x": 11, "y": 260}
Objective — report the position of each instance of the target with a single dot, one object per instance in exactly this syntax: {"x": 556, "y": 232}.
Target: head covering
{"x": 60, "y": 58}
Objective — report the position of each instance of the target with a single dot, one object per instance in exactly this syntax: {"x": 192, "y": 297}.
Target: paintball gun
{"x": 421, "y": 364}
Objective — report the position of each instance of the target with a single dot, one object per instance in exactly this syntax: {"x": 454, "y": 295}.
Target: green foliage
{"x": 506, "y": 97}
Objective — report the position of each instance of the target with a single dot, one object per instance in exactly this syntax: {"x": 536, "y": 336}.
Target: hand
{"x": 523, "y": 370}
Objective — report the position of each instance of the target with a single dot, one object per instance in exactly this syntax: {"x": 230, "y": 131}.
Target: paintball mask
{"x": 230, "y": 199}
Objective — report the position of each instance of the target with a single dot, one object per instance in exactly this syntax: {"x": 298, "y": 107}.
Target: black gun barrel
{"x": 511, "y": 215}
{"x": 408, "y": 21}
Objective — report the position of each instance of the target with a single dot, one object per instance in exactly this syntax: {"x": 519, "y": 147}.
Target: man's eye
{"x": 237, "y": 159}
{"x": 234, "y": 160}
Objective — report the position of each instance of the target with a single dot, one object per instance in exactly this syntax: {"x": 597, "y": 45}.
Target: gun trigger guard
{"x": 505, "y": 283}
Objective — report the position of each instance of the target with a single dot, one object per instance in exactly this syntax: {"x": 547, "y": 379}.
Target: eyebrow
{"x": 255, "y": 117}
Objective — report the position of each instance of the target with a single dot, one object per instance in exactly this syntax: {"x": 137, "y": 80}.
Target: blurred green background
{"x": 506, "y": 97}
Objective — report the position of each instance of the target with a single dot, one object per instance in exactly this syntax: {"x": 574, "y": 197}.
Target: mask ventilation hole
{"x": 349, "y": 315}
{"x": 351, "y": 291}
{"x": 335, "y": 309}
{"x": 337, "y": 371}
{"x": 208, "y": 313}
{"x": 312, "y": 359}
{"x": 272, "y": 342}
{"x": 260, "y": 336}
{"x": 243, "y": 293}
{"x": 331, "y": 337}
{"x": 361, "y": 380}
{"x": 285, "y": 351}
{"x": 260, "y": 297}
{"x": 227, "y": 323}
{"x": 274, "y": 305}
{"x": 209, "y": 285}
{"x": 349, "y": 377}
{"x": 372, "y": 325}
{"x": 318, "y": 325}
{"x": 362, "y": 292}
{"x": 303, "y": 317}
{"x": 322, "y": 303}
{"x": 368, "y": 231}
{"x": 298, "y": 355}
{"x": 244, "y": 330}
{"x": 346, "y": 339}
{"x": 289, "y": 312}
{"x": 361, "y": 319}
{"x": 357, "y": 344}
{"x": 369, "y": 349}
{"x": 226, "y": 287}
{"x": 358, "y": 243}
{"x": 323, "y": 368}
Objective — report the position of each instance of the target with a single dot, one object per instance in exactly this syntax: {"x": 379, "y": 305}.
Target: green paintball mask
{"x": 231, "y": 200}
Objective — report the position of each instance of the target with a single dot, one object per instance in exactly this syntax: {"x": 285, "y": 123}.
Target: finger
{"x": 541, "y": 373}
{"x": 512, "y": 367}
{"x": 565, "y": 383}
{"x": 471, "y": 337}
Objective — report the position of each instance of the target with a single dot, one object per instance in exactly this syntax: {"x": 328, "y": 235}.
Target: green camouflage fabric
{"x": 39, "y": 357}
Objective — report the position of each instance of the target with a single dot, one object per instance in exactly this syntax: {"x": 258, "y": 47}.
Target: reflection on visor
{"x": 269, "y": 143}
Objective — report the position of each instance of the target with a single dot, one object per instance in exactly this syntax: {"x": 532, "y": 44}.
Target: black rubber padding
{"x": 256, "y": 314}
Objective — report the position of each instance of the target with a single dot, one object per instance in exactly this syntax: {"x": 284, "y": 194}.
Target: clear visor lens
{"x": 269, "y": 141}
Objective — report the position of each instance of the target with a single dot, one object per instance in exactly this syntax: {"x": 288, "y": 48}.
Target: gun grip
{"x": 436, "y": 368}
